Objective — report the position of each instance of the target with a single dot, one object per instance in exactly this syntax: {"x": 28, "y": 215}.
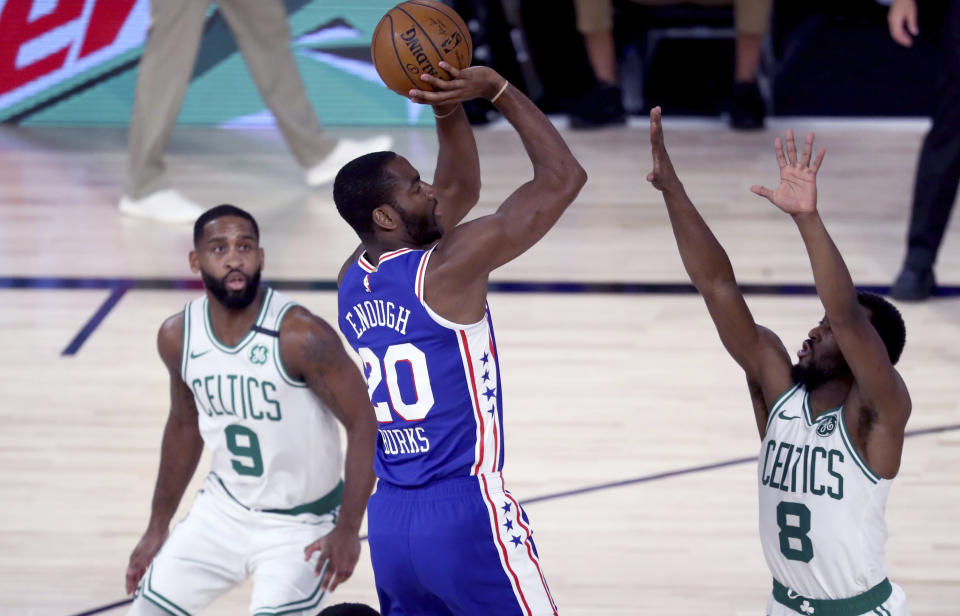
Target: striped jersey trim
{"x": 474, "y": 400}
{"x": 300, "y": 605}
{"x": 504, "y": 556}
{"x": 807, "y": 413}
{"x": 533, "y": 557}
{"x": 185, "y": 351}
{"x": 232, "y": 350}
{"x": 370, "y": 268}
{"x": 154, "y": 597}
{"x": 277, "y": 358}
{"x": 848, "y": 441}
{"x": 421, "y": 274}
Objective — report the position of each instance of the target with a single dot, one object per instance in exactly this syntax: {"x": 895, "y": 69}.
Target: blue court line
{"x": 606, "y": 486}
{"x": 497, "y": 286}
{"x": 95, "y": 320}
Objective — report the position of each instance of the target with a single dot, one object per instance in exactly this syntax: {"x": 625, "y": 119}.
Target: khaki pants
{"x": 263, "y": 36}
{"x": 750, "y": 16}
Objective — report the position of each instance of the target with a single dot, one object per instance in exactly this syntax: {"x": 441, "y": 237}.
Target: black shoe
{"x": 746, "y": 107}
{"x": 601, "y": 106}
{"x": 913, "y": 285}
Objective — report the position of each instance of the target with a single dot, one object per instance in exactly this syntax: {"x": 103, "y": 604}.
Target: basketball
{"x": 412, "y": 38}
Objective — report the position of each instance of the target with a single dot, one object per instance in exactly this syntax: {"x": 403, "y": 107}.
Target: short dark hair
{"x": 888, "y": 322}
{"x": 361, "y": 186}
{"x": 224, "y": 209}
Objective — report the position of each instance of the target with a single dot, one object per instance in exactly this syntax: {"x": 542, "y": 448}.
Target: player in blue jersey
{"x": 446, "y": 536}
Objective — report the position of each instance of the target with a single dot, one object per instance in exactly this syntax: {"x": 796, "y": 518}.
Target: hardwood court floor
{"x": 600, "y": 388}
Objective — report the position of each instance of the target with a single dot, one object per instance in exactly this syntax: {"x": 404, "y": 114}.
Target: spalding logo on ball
{"x": 412, "y": 38}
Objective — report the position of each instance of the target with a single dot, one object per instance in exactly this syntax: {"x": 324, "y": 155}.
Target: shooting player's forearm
{"x": 551, "y": 158}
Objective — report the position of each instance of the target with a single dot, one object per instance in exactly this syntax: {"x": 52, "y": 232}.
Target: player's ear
{"x": 194, "y": 262}
{"x": 263, "y": 260}
{"x": 386, "y": 217}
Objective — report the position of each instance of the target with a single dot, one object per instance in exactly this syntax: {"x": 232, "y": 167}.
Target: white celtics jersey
{"x": 275, "y": 446}
{"x": 821, "y": 508}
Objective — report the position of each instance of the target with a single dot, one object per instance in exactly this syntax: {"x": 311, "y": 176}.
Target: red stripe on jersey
{"x": 476, "y": 401}
{"x": 503, "y": 547}
{"x": 529, "y": 549}
{"x": 421, "y": 272}
{"x": 390, "y": 255}
{"x": 493, "y": 350}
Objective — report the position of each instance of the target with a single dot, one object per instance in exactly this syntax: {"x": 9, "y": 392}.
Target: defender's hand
{"x": 663, "y": 177}
{"x": 339, "y": 551}
{"x": 142, "y": 556}
{"x": 797, "y": 193}
{"x": 902, "y": 20}
{"x": 464, "y": 85}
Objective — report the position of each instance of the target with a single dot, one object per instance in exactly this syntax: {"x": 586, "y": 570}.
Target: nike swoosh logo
{"x": 196, "y": 355}
{"x": 782, "y": 416}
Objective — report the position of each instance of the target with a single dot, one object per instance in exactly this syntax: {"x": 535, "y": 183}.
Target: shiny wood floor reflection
{"x": 599, "y": 388}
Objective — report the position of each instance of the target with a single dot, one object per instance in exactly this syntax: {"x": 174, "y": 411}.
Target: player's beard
{"x": 813, "y": 376}
{"x": 423, "y": 231}
{"x": 234, "y": 300}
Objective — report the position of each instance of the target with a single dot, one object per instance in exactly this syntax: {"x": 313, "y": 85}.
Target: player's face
{"x": 819, "y": 358}
{"x": 415, "y": 202}
{"x": 229, "y": 259}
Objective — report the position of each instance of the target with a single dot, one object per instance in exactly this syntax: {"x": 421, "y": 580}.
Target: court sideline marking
{"x": 119, "y": 286}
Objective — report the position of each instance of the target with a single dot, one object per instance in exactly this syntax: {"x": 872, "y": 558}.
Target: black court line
{"x": 497, "y": 286}
{"x": 504, "y": 286}
{"x": 606, "y": 486}
{"x": 95, "y": 320}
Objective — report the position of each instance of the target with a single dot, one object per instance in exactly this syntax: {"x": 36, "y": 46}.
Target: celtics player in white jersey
{"x": 262, "y": 383}
{"x": 832, "y": 425}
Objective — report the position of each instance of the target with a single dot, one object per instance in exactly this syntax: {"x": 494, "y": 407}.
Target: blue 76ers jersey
{"x": 435, "y": 385}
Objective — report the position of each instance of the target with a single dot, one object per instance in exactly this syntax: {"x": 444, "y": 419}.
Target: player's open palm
{"x": 797, "y": 193}
{"x": 142, "y": 556}
{"x": 663, "y": 177}
{"x": 339, "y": 551}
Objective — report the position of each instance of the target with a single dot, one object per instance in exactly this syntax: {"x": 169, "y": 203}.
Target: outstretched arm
{"x": 469, "y": 252}
{"x": 879, "y": 385}
{"x": 758, "y": 351}
{"x": 179, "y": 454}
{"x": 313, "y": 352}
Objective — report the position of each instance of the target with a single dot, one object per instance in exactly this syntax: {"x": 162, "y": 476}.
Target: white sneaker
{"x": 164, "y": 206}
{"x": 346, "y": 150}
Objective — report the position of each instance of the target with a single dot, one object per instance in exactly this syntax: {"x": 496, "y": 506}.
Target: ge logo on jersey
{"x": 258, "y": 354}
{"x": 827, "y": 426}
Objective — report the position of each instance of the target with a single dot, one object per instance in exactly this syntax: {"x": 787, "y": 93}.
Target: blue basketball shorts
{"x": 456, "y": 546}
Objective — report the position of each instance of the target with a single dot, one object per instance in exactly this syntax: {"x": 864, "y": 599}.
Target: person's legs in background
{"x": 603, "y": 105}
{"x": 263, "y": 36}
{"x": 938, "y": 170}
{"x": 164, "y": 73}
{"x": 752, "y": 20}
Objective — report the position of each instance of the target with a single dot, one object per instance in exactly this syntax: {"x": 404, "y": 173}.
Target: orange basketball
{"x": 412, "y": 38}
